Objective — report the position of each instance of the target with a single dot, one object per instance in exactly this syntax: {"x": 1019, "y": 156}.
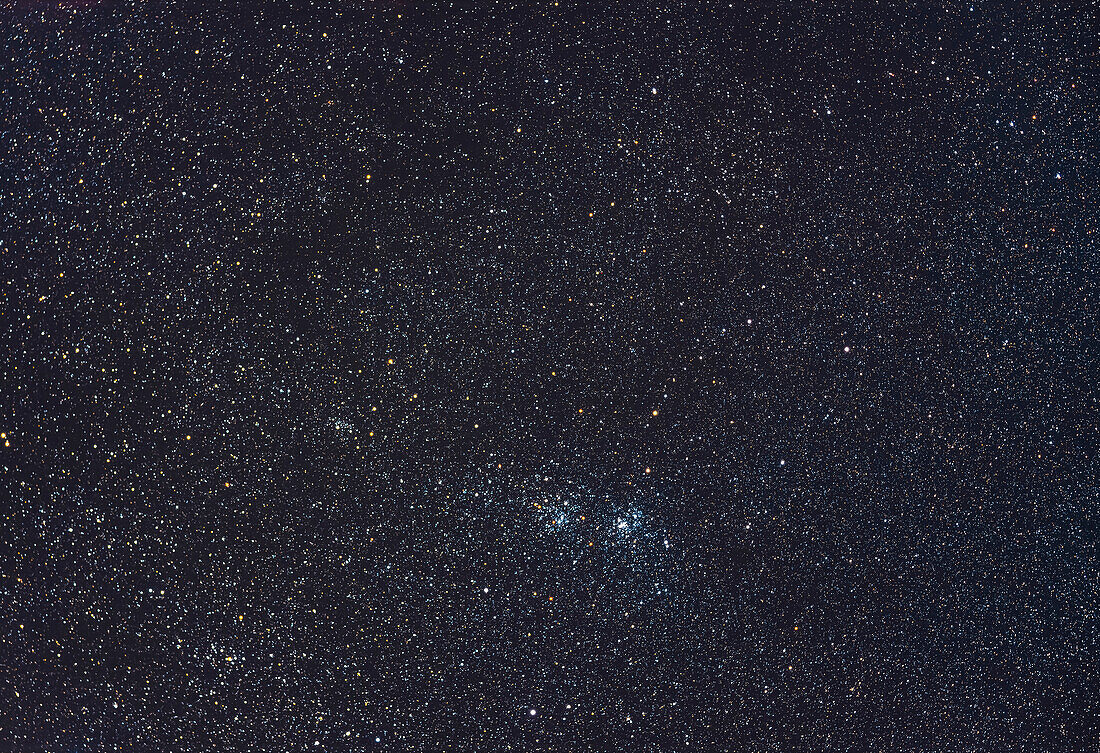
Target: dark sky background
{"x": 663, "y": 377}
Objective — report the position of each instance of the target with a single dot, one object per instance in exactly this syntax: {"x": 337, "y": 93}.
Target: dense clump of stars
{"x": 661, "y": 377}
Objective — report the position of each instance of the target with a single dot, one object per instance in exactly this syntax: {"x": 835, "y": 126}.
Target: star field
{"x": 540, "y": 377}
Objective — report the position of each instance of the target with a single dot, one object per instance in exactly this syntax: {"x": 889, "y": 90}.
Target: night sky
{"x": 671, "y": 377}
